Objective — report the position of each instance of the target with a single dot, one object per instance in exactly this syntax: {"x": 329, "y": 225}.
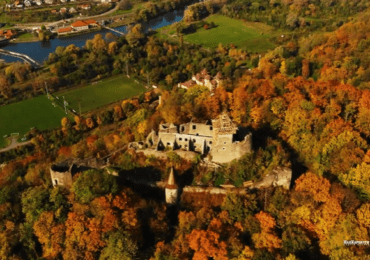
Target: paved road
{"x": 67, "y": 20}
{"x": 14, "y": 144}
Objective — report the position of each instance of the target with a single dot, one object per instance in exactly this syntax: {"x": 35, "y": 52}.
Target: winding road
{"x": 14, "y": 144}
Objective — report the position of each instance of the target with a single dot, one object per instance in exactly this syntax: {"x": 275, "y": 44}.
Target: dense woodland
{"x": 307, "y": 104}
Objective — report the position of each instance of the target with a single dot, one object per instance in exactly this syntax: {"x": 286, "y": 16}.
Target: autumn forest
{"x": 306, "y": 103}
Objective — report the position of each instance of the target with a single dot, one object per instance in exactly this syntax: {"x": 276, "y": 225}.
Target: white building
{"x": 80, "y": 26}
{"x": 27, "y": 3}
{"x": 171, "y": 189}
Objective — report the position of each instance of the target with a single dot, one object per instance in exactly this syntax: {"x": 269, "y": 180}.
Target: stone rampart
{"x": 213, "y": 190}
{"x": 187, "y": 155}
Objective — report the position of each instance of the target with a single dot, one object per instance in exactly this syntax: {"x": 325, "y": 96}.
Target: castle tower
{"x": 223, "y": 128}
{"x": 171, "y": 189}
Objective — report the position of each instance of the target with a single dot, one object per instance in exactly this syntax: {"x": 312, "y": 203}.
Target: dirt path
{"x": 14, "y": 144}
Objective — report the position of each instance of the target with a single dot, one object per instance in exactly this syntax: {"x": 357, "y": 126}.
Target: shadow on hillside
{"x": 259, "y": 140}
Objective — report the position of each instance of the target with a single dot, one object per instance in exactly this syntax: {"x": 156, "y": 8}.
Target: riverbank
{"x": 124, "y": 22}
{"x": 40, "y": 50}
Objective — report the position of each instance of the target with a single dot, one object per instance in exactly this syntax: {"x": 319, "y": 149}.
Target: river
{"x": 39, "y": 51}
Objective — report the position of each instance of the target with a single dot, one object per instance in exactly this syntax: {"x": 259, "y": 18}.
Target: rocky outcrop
{"x": 278, "y": 177}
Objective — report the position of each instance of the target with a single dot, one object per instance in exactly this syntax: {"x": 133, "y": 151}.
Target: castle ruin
{"x": 220, "y": 138}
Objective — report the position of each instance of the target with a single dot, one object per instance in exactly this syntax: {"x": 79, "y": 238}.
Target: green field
{"x": 108, "y": 91}
{"x": 250, "y": 36}
{"x": 20, "y": 117}
{"x": 228, "y": 30}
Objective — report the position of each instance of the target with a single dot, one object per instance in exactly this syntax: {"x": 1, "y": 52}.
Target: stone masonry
{"x": 219, "y": 137}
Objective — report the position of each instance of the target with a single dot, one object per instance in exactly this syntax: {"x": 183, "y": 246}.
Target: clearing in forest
{"x": 251, "y": 36}
{"x": 102, "y": 93}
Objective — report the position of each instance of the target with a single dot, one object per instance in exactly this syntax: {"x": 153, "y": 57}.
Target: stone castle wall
{"x": 187, "y": 155}
{"x": 225, "y": 151}
{"x": 171, "y": 196}
{"x": 213, "y": 190}
{"x": 61, "y": 178}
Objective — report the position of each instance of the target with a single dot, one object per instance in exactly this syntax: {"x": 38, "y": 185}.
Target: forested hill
{"x": 340, "y": 55}
{"x": 307, "y": 104}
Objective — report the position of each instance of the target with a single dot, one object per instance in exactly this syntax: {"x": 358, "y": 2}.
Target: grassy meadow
{"x": 40, "y": 113}
{"x": 97, "y": 95}
{"x": 20, "y": 117}
{"x": 253, "y": 37}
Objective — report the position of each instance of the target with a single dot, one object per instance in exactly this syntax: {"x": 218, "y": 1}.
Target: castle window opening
{"x": 186, "y": 139}
{"x": 183, "y": 128}
{"x": 210, "y": 142}
{"x": 224, "y": 142}
{"x": 168, "y": 144}
{"x": 56, "y": 182}
{"x": 223, "y": 148}
{"x": 210, "y": 128}
{"x": 194, "y": 140}
{"x": 197, "y": 134}
{"x": 194, "y": 127}
{"x": 180, "y": 139}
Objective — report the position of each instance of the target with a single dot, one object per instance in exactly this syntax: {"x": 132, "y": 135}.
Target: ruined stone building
{"x": 203, "y": 79}
{"x": 62, "y": 173}
{"x": 220, "y": 138}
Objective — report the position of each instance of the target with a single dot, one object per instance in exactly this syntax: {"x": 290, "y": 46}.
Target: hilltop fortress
{"x": 219, "y": 138}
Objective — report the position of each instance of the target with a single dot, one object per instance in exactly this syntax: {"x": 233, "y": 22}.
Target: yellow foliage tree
{"x": 358, "y": 178}
{"x": 206, "y": 244}
{"x": 142, "y": 127}
{"x": 318, "y": 186}
{"x": 363, "y": 215}
{"x": 266, "y": 238}
{"x": 283, "y": 69}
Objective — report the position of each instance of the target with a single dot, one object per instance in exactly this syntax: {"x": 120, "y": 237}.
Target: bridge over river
{"x": 113, "y": 30}
{"x": 21, "y": 56}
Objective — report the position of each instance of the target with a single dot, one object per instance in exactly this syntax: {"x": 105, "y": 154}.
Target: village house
{"x": 203, "y": 79}
{"x": 80, "y": 26}
{"x": 49, "y": 2}
{"x": 85, "y": 7}
{"x": 27, "y": 3}
{"x": 219, "y": 138}
{"x": 72, "y": 10}
{"x": 39, "y": 2}
{"x": 65, "y": 30}
{"x": 18, "y": 4}
{"x": 63, "y": 1}
{"x": 63, "y": 10}
{"x": 91, "y": 22}
{"x": 8, "y": 34}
